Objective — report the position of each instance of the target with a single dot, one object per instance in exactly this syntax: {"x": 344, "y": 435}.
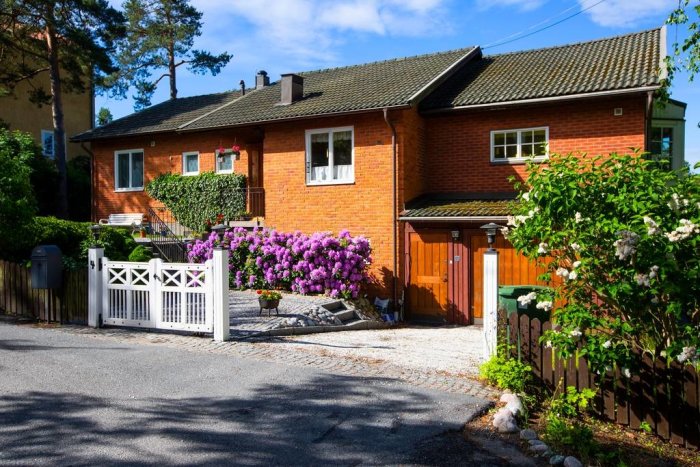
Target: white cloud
{"x": 628, "y": 13}
{"x": 522, "y": 5}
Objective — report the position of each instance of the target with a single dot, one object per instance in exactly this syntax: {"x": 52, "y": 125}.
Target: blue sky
{"x": 284, "y": 36}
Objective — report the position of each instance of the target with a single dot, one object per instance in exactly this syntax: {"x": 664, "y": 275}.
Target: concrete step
{"x": 345, "y": 315}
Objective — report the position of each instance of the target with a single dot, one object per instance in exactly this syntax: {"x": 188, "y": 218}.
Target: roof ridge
{"x": 389, "y": 60}
{"x": 573, "y": 44}
{"x": 243, "y": 95}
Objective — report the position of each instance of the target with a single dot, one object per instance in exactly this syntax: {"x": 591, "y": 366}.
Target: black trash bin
{"x": 47, "y": 267}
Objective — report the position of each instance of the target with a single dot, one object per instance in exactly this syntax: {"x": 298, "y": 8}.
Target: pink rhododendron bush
{"x": 623, "y": 235}
{"x": 317, "y": 263}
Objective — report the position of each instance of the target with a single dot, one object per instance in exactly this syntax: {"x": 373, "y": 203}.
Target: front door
{"x": 427, "y": 289}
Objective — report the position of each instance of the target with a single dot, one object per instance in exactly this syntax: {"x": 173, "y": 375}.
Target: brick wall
{"x": 458, "y": 143}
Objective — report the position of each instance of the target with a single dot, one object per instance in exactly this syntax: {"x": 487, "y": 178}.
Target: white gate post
{"x": 490, "y": 307}
{"x": 220, "y": 288}
{"x": 95, "y": 256}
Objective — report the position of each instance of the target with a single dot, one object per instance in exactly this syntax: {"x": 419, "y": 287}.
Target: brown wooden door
{"x": 255, "y": 168}
{"x": 513, "y": 269}
{"x": 427, "y": 290}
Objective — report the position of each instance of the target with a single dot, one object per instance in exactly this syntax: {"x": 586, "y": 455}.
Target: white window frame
{"x": 216, "y": 162}
{"x": 52, "y": 154}
{"x": 184, "y": 162}
{"x": 116, "y": 169}
{"x": 307, "y": 162}
{"x": 519, "y": 159}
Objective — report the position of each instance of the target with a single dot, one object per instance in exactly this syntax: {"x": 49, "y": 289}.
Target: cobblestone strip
{"x": 279, "y": 353}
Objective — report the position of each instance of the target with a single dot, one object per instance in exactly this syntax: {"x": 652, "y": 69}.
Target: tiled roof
{"x": 166, "y": 116}
{"x": 388, "y": 83}
{"x": 617, "y": 63}
{"x": 458, "y": 206}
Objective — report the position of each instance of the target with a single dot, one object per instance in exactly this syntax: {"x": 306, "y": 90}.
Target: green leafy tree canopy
{"x": 160, "y": 39}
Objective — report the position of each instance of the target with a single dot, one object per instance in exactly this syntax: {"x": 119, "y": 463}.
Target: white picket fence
{"x": 159, "y": 295}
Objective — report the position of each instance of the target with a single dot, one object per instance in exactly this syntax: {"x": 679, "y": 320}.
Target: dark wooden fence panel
{"x": 17, "y": 297}
{"x": 666, "y": 396}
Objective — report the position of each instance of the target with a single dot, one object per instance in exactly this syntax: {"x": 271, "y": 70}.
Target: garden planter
{"x": 268, "y": 305}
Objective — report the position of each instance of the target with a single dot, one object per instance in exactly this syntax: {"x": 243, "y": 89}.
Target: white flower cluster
{"x": 515, "y": 221}
{"x": 576, "y": 332}
{"x": 683, "y": 231}
{"x": 652, "y": 226}
{"x": 544, "y": 305}
{"x": 578, "y": 217}
{"x": 525, "y": 300}
{"x": 607, "y": 344}
{"x": 689, "y": 354}
{"x": 645, "y": 279}
{"x": 543, "y": 248}
{"x": 677, "y": 202}
{"x": 575, "y": 246}
{"x": 626, "y": 372}
{"x": 626, "y": 245}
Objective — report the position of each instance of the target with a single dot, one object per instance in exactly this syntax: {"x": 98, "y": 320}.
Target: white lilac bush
{"x": 621, "y": 236}
{"x": 316, "y": 263}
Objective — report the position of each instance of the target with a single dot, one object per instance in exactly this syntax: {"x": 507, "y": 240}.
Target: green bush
{"x": 196, "y": 201}
{"x": 572, "y": 403}
{"x": 67, "y": 235}
{"x": 140, "y": 254}
{"x": 118, "y": 243}
{"x": 506, "y": 373}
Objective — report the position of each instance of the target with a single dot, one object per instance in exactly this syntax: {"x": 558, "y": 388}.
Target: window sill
{"x": 126, "y": 190}
{"x": 332, "y": 182}
{"x": 190, "y": 174}
{"x": 224, "y": 172}
{"x": 519, "y": 161}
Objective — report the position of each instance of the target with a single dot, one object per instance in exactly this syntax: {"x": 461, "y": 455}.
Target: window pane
{"x": 342, "y": 148}
{"x": 191, "y": 163}
{"x": 122, "y": 179}
{"x": 137, "y": 170}
{"x": 540, "y": 149}
{"x": 499, "y": 139}
{"x": 511, "y": 151}
{"x": 526, "y": 136}
{"x": 526, "y": 150}
{"x": 224, "y": 163}
{"x": 512, "y": 138}
{"x": 499, "y": 152}
{"x": 540, "y": 136}
{"x": 319, "y": 150}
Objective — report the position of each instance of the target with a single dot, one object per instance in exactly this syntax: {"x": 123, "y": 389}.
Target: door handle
{"x": 444, "y": 278}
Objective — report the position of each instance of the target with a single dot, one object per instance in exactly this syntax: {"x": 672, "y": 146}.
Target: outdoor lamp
{"x": 95, "y": 231}
{"x": 491, "y": 230}
{"x": 219, "y": 229}
{"x": 455, "y": 235}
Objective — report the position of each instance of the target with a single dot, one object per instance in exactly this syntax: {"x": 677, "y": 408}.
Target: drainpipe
{"x": 92, "y": 180}
{"x": 393, "y": 206}
{"x": 647, "y": 126}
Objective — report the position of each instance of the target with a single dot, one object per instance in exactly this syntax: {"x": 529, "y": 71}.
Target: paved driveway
{"x": 66, "y": 398}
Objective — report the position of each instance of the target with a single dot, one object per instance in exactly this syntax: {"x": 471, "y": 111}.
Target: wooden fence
{"x": 17, "y": 297}
{"x": 664, "y": 396}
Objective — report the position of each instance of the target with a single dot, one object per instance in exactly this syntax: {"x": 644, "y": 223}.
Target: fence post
{"x": 490, "y": 307}
{"x": 95, "y": 256}
{"x": 220, "y": 287}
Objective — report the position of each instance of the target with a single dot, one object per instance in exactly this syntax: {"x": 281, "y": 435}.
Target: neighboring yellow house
{"x": 20, "y": 114}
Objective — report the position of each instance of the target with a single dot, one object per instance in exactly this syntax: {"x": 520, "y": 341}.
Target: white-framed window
{"x": 190, "y": 163}
{"x": 128, "y": 170}
{"x": 520, "y": 145}
{"x": 47, "y": 144}
{"x": 224, "y": 162}
{"x": 330, "y": 156}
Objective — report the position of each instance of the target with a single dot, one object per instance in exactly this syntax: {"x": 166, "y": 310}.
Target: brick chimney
{"x": 292, "y": 88}
{"x": 261, "y": 79}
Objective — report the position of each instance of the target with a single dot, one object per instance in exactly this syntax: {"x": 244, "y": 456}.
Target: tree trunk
{"x": 59, "y": 132}
{"x": 171, "y": 70}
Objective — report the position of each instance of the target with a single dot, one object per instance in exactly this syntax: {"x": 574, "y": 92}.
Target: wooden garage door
{"x": 427, "y": 290}
{"x": 513, "y": 269}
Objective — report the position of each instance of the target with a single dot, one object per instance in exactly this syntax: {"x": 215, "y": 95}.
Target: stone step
{"x": 345, "y": 315}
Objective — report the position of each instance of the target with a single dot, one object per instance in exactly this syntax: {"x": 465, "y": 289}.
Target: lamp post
{"x": 95, "y": 231}
{"x": 491, "y": 230}
{"x": 219, "y": 229}
{"x": 490, "y": 291}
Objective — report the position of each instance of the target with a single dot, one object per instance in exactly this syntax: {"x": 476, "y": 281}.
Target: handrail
{"x": 170, "y": 246}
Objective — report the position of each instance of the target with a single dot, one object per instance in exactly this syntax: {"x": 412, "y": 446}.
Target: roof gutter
{"x": 455, "y": 219}
{"x": 442, "y": 77}
{"x": 538, "y": 100}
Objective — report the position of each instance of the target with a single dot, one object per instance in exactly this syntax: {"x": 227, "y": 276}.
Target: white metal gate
{"x": 158, "y": 295}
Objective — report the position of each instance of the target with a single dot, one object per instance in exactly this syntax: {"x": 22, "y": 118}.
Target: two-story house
{"x": 414, "y": 153}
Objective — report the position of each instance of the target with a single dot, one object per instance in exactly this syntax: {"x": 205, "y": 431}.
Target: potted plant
{"x": 269, "y": 300}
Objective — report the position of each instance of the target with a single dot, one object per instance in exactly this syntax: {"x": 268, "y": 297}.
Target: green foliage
{"x": 117, "y": 242}
{"x": 506, "y": 373}
{"x": 140, "y": 254}
{"x": 104, "y": 116}
{"x": 571, "y": 436}
{"x": 623, "y": 235}
{"x": 153, "y": 45}
{"x": 67, "y": 235}
{"x": 687, "y": 54}
{"x": 645, "y": 427}
{"x": 17, "y": 202}
{"x": 79, "y": 191}
{"x": 197, "y": 201}
{"x": 572, "y": 403}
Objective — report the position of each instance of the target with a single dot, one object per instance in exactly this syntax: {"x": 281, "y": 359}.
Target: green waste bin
{"x": 508, "y": 300}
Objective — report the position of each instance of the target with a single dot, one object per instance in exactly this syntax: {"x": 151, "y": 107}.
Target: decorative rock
{"x": 513, "y": 403}
{"x": 539, "y": 448}
{"x": 571, "y": 461}
{"x": 556, "y": 460}
{"x": 529, "y": 434}
{"x": 504, "y": 421}
{"x": 535, "y": 442}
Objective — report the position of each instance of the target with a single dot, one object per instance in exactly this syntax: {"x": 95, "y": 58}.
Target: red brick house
{"x": 415, "y": 153}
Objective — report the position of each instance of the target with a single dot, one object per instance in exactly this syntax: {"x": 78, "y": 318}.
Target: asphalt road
{"x": 72, "y": 400}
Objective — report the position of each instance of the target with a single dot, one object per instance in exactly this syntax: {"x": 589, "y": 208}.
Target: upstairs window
{"x": 330, "y": 156}
{"x": 519, "y": 145}
{"x": 47, "y": 146}
{"x": 190, "y": 163}
{"x": 128, "y": 170}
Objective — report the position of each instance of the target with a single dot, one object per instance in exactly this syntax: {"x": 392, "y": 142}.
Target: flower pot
{"x": 268, "y": 305}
